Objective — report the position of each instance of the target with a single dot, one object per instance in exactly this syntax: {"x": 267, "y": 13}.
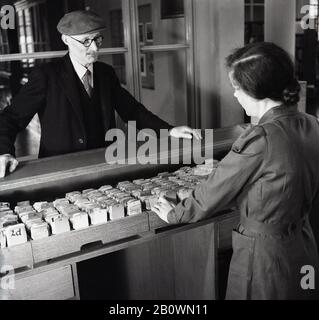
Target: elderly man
{"x": 75, "y": 98}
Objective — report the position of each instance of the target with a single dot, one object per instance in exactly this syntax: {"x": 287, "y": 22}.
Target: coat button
{"x": 81, "y": 140}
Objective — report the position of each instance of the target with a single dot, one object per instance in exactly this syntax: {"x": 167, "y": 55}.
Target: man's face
{"x": 83, "y": 55}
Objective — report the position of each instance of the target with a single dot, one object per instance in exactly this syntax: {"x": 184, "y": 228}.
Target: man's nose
{"x": 93, "y": 46}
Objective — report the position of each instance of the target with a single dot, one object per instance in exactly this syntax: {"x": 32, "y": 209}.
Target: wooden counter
{"x": 145, "y": 260}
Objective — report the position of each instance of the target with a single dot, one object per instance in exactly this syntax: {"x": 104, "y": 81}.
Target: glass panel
{"x": 13, "y": 76}
{"x": 254, "y": 22}
{"x": 259, "y": 14}
{"x": 36, "y": 22}
{"x": 111, "y": 12}
{"x": 164, "y": 90}
{"x": 161, "y": 22}
{"x": 117, "y": 61}
{"x": 247, "y": 13}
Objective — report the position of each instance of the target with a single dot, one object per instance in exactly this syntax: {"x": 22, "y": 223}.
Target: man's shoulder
{"x": 104, "y": 67}
{"x": 49, "y": 67}
{"x": 105, "y": 71}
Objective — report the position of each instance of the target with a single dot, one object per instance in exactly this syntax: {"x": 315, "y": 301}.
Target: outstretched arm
{"x": 131, "y": 110}
{"x": 17, "y": 116}
{"x": 241, "y": 167}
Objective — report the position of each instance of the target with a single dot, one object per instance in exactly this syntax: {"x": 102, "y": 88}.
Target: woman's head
{"x": 261, "y": 71}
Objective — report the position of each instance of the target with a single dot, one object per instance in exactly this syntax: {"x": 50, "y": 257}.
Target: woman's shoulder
{"x": 253, "y": 136}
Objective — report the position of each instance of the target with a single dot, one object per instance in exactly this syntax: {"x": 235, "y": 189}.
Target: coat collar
{"x": 68, "y": 83}
{"x": 103, "y": 83}
{"x": 68, "y": 78}
{"x": 278, "y": 112}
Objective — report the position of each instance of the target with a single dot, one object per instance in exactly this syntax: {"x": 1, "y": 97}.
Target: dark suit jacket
{"x": 52, "y": 93}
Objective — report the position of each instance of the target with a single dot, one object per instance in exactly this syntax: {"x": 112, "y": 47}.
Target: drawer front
{"x": 73, "y": 241}
{"x": 51, "y": 285}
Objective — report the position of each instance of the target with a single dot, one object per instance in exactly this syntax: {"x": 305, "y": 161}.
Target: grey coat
{"x": 272, "y": 175}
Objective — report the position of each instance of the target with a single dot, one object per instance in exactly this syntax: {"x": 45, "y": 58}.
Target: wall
{"x": 280, "y": 23}
{"x": 219, "y": 28}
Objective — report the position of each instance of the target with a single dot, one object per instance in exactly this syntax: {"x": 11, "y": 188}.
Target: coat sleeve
{"x": 25, "y": 105}
{"x": 240, "y": 167}
{"x": 131, "y": 110}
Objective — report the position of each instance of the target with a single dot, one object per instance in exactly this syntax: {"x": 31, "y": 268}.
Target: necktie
{"x": 86, "y": 79}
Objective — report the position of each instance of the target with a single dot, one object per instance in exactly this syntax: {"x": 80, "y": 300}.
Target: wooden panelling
{"x": 176, "y": 264}
{"x": 52, "y": 285}
{"x": 17, "y": 256}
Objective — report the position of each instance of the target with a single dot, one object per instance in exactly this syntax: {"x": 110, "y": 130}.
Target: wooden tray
{"x": 77, "y": 240}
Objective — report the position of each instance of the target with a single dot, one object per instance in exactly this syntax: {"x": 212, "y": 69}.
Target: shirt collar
{"x": 277, "y": 112}
{"x": 80, "y": 69}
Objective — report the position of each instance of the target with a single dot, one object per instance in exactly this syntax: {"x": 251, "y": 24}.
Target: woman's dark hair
{"x": 264, "y": 70}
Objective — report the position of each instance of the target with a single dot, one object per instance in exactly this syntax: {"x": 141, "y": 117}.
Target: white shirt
{"x": 81, "y": 70}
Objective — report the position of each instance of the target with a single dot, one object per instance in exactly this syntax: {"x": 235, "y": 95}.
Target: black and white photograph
{"x": 158, "y": 156}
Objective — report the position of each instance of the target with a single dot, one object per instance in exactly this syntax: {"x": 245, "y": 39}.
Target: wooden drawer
{"x": 76, "y": 240}
{"x": 51, "y": 285}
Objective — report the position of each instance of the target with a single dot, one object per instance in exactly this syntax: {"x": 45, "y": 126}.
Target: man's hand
{"x": 162, "y": 208}
{"x": 7, "y": 161}
{"x": 185, "y": 132}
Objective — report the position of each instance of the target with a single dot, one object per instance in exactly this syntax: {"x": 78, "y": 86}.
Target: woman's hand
{"x": 185, "y": 132}
{"x": 162, "y": 208}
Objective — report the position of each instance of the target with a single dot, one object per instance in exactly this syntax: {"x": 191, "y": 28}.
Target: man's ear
{"x": 64, "y": 39}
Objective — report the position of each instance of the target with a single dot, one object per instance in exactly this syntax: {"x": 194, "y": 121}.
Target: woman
{"x": 272, "y": 174}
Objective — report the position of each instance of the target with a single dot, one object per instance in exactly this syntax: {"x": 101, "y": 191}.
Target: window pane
{"x": 259, "y": 14}
{"x": 111, "y": 12}
{"x": 247, "y": 14}
{"x": 163, "y": 76}
{"x": 117, "y": 61}
{"x": 36, "y": 23}
{"x": 157, "y": 26}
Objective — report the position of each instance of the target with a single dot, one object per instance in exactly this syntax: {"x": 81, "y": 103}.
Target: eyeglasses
{"x": 87, "y": 42}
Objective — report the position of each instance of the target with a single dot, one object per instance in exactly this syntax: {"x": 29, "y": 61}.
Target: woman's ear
{"x": 64, "y": 39}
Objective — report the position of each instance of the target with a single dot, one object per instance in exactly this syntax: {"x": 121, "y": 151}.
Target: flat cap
{"x": 80, "y": 22}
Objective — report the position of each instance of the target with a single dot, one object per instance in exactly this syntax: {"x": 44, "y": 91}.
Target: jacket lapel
{"x": 69, "y": 87}
{"x": 105, "y": 99}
